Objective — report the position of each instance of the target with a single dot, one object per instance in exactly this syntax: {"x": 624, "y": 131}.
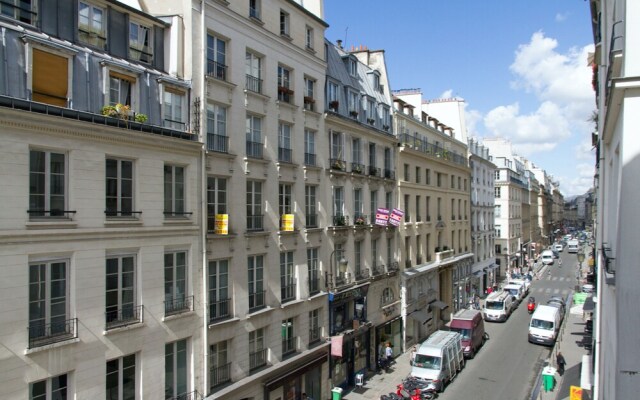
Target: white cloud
{"x": 561, "y": 17}
{"x": 584, "y": 150}
{"x": 472, "y": 119}
{"x": 447, "y": 94}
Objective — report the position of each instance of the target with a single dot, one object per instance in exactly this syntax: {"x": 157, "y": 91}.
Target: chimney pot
{"x": 339, "y": 42}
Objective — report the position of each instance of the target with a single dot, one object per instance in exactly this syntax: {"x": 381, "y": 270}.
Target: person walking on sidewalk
{"x": 560, "y": 362}
{"x": 389, "y": 353}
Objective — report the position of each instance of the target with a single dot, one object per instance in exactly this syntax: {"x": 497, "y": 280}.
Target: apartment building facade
{"x": 100, "y": 241}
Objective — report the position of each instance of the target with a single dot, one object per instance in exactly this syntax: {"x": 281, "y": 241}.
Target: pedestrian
{"x": 388, "y": 351}
{"x": 560, "y": 362}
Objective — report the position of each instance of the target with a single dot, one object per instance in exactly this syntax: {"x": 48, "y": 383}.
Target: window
{"x": 388, "y": 200}
{"x": 253, "y": 72}
{"x": 309, "y": 92}
{"x": 496, "y": 192}
{"x": 174, "y": 109}
{"x": 284, "y": 84}
{"x": 254, "y": 136}
{"x": 256, "y": 282}
{"x": 175, "y": 369}
{"x": 428, "y": 208}
{"x": 356, "y": 152}
{"x": 498, "y": 211}
{"x": 314, "y": 325}
{"x": 120, "y": 303}
{"x": 216, "y": 57}
{"x": 216, "y": 200}
{"x": 354, "y": 104}
{"x": 372, "y": 157}
{"x": 21, "y": 10}
{"x": 254, "y": 206}
{"x": 373, "y": 203}
{"x": 338, "y": 205}
{"x": 337, "y": 146}
{"x": 49, "y": 389}
{"x": 309, "y": 147}
{"x": 284, "y": 23}
{"x": 308, "y": 38}
{"x": 332, "y": 94}
{"x": 47, "y": 183}
{"x": 285, "y": 199}
{"x": 140, "y": 48}
{"x": 119, "y": 188}
{"x": 91, "y": 24}
{"x": 49, "y": 320}
{"x": 374, "y": 255}
{"x": 407, "y": 214}
{"x": 219, "y": 364}
{"x": 50, "y": 77}
{"x": 217, "y": 139}
{"x": 438, "y": 179}
{"x": 406, "y": 172}
{"x": 498, "y": 230}
{"x": 427, "y": 176}
{"x": 219, "y": 295}
{"x": 310, "y": 206}
{"x": 254, "y": 9}
{"x": 387, "y": 296}
{"x": 121, "y": 378}
{"x": 174, "y": 190}
{"x": 257, "y": 351}
{"x": 284, "y": 143}
{"x": 357, "y": 256}
{"x": 121, "y": 89}
{"x": 497, "y": 175}
{"x": 418, "y": 216}
{"x": 386, "y": 118}
{"x": 390, "y": 256}
{"x": 353, "y": 67}
{"x": 287, "y": 278}
{"x": 452, "y": 185}
{"x": 175, "y": 283}
{"x": 371, "y": 112}
{"x": 314, "y": 273}
{"x": 288, "y": 338}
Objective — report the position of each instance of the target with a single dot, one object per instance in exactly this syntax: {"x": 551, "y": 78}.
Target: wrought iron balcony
{"x": 314, "y": 334}
{"x": 257, "y": 359}
{"x": 219, "y": 310}
{"x": 41, "y": 334}
{"x": 377, "y": 270}
{"x": 216, "y": 70}
{"x": 362, "y": 274}
{"x": 289, "y": 345}
{"x": 360, "y": 219}
{"x": 124, "y": 316}
{"x": 374, "y": 171}
{"x": 50, "y": 213}
{"x": 255, "y": 222}
{"x": 178, "y": 305}
{"x": 217, "y": 143}
{"x": 285, "y": 155}
{"x": 389, "y": 174}
{"x": 340, "y": 220}
{"x": 220, "y": 374}
{"x": 187, "y": 396}
{"x": 338, "y": 164}
{"x": 253, "y": 84}
{"x": 357, "y": 168}
{"x": 310, "y": 159}
{"x": 254, "y": 149}
{"x": 256, "y": 301}
{"x": 288, "y": 293}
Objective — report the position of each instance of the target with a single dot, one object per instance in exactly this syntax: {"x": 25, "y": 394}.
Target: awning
{"x": 420, "y": 316}
{"x": 478, "y": 273}
{"x": 589, "y": 304}
{"x": 492, "y": 267}
{"x": 439, "y": 304}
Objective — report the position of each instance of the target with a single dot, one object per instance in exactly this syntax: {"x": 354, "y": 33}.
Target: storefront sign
{"x": 287, "y": 222}
{"x": 396, "y": 217}
{"x": 222, "y": 224}
{"x": 382, "y": 216}
{"x": 359, "y": 291}
{"x": 336, "y": 345}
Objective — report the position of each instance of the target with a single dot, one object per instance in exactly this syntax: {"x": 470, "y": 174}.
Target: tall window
{"x": 254, "y": 136}
{"x": 174, "y": 109}
{"x": 354, "y": 103}
{"x": 216, "y": 199}
{"x": 308, "y": 38}
{"x": 310, "y": 206}
{"x": 284, "y": 143}
{"x": 357, "y": 255}
{"x": 353, "y": 67}
{"x": 309, "y": 147}
{"x": 428, "y": 208}
{"x": 175, "y": 283}
{"x": 284, "y": 84}
{"x": 371, "y": 111}
{"x": 389, "y": 251}
{"x": 219, "y": 364}
{"x": 257, "y": 350}
{"x": 374, "y": 253}
{"x": 309, "y": 93}
{"x": 119, "y": 187}
{"x": 358, "y": 206}
{"x": 23, "y": 10}
{"x": 332, "y": 93}
{"x": 388, "y": 200}
{"x": 337, "y": 146}
{"x": 288, "y": 336}
{"x": 373, "y": 203}
{"x": 120, "y": 302}
{"x": 418, "y": 177}
{"x": 254, "y": 206}
{"x": 386, "y": 117}
{"x": 418, "y": 214}
{"x": 49, "y": 76}
{"x": 121, "y": 89}
{"x": 338, "y": 201}
{"x": 284, "y": 23}
{"x": 51, "y": 388}
{"x": 140, "y": 48}
{"x": 47, "y": 183}
{"x": 496, "y": 192}
{"x": 216, "y": 57}
{"x": 175, "y": 369}
{"x": 49, "y": 302}
{"x": 287, "y": 278}
{"x": 217, "y": 139}
{"x": 174, "y": 190}
{"x": 219, "y": 294}
{"x": 254, "y": 9}
{"x": 91, "y": 24}
{"x": 121, "y": 378}
{"x": 314, "y": 274}
{"x": 314, "y": 325}
{"x": 427, "y": 176}
{"x": 285, "y": 199}
{"x": 253, "y": 72}
{"x": 256, "y": 282}
{"x": 356, "y": 151}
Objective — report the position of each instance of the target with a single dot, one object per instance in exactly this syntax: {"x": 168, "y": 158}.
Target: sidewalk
{"x": 382, "y": 382}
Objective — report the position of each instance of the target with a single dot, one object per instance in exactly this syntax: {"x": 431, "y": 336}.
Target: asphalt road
{"x": 507, "y": 366}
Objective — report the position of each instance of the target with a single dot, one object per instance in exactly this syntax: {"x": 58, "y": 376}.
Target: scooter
{"x": 531, "y": 305}
{"x": 415, "y": 389}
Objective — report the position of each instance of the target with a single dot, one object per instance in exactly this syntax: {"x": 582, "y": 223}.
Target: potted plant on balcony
{"x": 334, "y": 105}
{"x": 385, "y": 127}
{"x": 371, "y": 121}
{"x": 357, "y": 168}
{"x": 353, "y": 113}
{"x": 359, "y": 220}
{"x": 309, "y": 100}
{"x": 338, "y": 164}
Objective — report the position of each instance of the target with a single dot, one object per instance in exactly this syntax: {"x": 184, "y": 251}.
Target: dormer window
{"x": 353, "y": 67}
{"x": 20, "y": 10}
{"x": 91, "y": 25}
{"x": 140, "y": 48}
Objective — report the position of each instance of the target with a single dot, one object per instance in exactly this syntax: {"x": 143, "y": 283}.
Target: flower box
{"x": 353, "y": 113}
{"x": 334, "y": 105}
{"x": 371, "y": 121}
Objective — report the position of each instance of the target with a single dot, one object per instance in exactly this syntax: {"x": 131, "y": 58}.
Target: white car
{"x": 558, "y": 247}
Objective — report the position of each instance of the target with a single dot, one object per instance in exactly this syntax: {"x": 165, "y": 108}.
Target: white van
{"x": 547, "y": 257}
{"x": 544, "y": 325}
{"x": 524, "y": 282}
{"x": 573, "y": 245}
{"x": 439, "y": 358}
{"x": 498, "y": 306}
{"x": 516, "y": 289}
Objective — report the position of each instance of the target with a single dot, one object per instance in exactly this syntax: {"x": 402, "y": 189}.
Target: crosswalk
{"x": 554, "y": 291}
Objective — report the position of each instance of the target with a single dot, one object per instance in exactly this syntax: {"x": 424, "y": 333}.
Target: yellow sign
{"x": 575, "y": 393}
{"x": 222, "y": 224}
{"x": 287, "y": 222}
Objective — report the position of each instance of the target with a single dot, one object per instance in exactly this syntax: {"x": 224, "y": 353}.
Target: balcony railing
{"x": 357, "y": 168}
{"x": 377, "y": 270}
{"x": 254, "y": 149}
{"x": 41, "y": 334}
{"x": 120, "y": 213}
{"x": 219, "y": 310}
{"x": 220, "y": 374}
{"x": 374, "y": 171}
{"x": 216, "y": 70}
{"x": 258, "y": 359}
{"x": 256, "y": 301}
{"x": 187, "y": 396}
{"x": 362, "y": 274}
{"x": 340, "y": 220}
{"x": 314, "y": 334}
{"x": 393, "y": 266}
{"x": 255, "y": 222}
{"x": 50, "y": 213}
{"x": 178, "y": 305}
{"x": 360, "y": 219}
{"x": 254, "y": 84}
{"x": 127, "y": 315}
{"x": 310, "y": 159}
{"x": 288, "y": 293}
{"x": 311, "y": 220}
{"x": 407, "y": 264}
{"x": 289, "y": 345}
{"x": 389, "y": 174}
{"x": 337, "y": 164}
{"x": 314, "y": 282}
{"x": 218, "y": 143}
{"x": 284, "y": 155}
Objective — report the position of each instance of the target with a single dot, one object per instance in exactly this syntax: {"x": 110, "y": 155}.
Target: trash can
{"x": 336, "y": 393}
{"x": 548, "y": 378}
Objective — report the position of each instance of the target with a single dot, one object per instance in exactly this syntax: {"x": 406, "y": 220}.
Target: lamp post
{"x": 342, "y": 263}
{"x": 580, "y": 260}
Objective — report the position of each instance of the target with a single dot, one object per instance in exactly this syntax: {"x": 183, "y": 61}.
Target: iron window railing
{"x": 220, "y": 374}
{"x": 257, "y": 359}
{"x": 284, "y": 155}
{"x": 357, "y": 168}
{"x": 337, "y": 164}
{"x": 256, "y": 301}
{"x": 340, "y": 220}
{"x": 314, "y": 334}
{"x": 288, "y": 292}
{"x": 195, "y": 395}
{"x": 393, "y": 266}
{"x": 314, "y": 282}
{"x": 50, "y": 213}
{"x": 126, "y": 214}
{"x": 219, "y": 143}
{"x": 255, "y": 222}
{"x": 311, "y": 220}
{"x": 178, "y": 305}
{"x": 254, "y": 149}
{"x": 310, "y": 159}
{"x": 289, "y": 345}
{"x": 254, "y": 84}
{"x": 389, "y": 174}
{"x": 219, "y": 310}
{"x": 41, "y": 334}
{"x": 124, "y": 316}
{"x": 360, "y": 219}
{"x": 216, "y": 70}
{"x": 374, "y": 171}
{"x": 177, "y": 213}
{"x": 362, "y": 274}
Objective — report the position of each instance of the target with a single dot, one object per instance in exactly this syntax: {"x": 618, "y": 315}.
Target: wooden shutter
{"x": 50, "y": 78}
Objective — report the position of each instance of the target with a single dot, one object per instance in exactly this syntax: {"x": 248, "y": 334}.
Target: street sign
{"x": 575, "y": 393}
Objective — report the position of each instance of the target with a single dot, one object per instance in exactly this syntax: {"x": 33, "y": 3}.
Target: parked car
{"x": 498, "y": 306}
{"x": 544, "y": 325}
{"x": 557, "y": 303}
{"x": 558, "y": 247}
{"x": 547, "y": 257}
{"x": 470, "y": 325}
{"x": 587, "y": 288}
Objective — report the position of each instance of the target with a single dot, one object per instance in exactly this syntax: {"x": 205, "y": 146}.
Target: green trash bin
{"x": 548, "y": 378}
{"x": 336, "y": 393}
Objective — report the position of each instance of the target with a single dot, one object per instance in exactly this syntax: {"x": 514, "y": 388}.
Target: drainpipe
{"x": 4, "y": 60}
{"x": 203, "y": 212}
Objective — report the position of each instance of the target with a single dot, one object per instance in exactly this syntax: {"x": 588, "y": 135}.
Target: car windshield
{"x": 541, "y": 324}
{"x": 514, "y": 292}
{"x": 494, "y": 305}
{"x": 466, "y": 333}
{"x": 429, "y": 362}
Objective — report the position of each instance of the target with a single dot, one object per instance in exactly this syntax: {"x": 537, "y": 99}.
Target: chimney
{"x": 339, "y": 42}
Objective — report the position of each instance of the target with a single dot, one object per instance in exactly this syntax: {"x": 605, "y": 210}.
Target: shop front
{"x": 389, "y": 333}
{"x": 302, "y": 376}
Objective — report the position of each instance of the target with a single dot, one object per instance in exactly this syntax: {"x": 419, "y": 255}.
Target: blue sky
{"x": 521, "y": 66}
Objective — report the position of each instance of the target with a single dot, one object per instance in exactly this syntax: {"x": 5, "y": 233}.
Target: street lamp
{"x": 580, "y": 260}
{"x": 342, "y": 264}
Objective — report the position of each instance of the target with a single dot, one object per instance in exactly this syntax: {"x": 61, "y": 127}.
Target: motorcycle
{"x": 531, "y": 305}
{"x": 415, "y": 389}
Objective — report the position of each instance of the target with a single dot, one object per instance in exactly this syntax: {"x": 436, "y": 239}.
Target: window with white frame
{"x": 175, "y": 283}
{"x": 310, "y": 206}
{"x": 358, "y": 206}
{"x": 219, "y": 292}
{"x": 313, "y": 271}
{"x": 254, "y": 206}
{"x": 92, "y": 24}
{"x": 357, "y": 258}
{"x": 255, "y": 265}
{"x": 337, "y": 146}
{"x": 496, "y": 192}
{"x": 49, "y": 77}
{"x": 314, "y": 325}
{"x": 374, "y": 253}
{"x": 254, "y": 136}
{"x": 354, "y": 103}
{"x": 371, "y": 111}
{"x": 54, "y": 388}
{"x": 255, "y": 9}
{"x": 287, "y": 276}
{"x": 119, "y": 188}
{"x": 175, "y": 369}
{"x": 309, "y": 147}
{"x": 257, "y": 349}
{"x": 353, "y": 67}
{"x": 120, "y": 291}
{"x": 216, "y": 57}
{"x": 356, "y": 151}
{"x": 373, "y": 203}
{"x": 387, "y": 296}
{"x": 285, "y": 202}
{"x": 332, "y": 95}
{"x": 22, "y": 10}
{"x": 121, "y": 89}
{"x": 338, "y": 204}
{"x": 49, "y": 309}
{"x": 285, "y": 153}
{"x": 386, "y": 118}
{"x": 284, "y": 84}
{"x": 174, "y": 193}
{"x": 174, "y": 109}
{"x": 219, "y": 364}
{"x": 288, "y": 336}
{"x": 309, "y": 93}
{"x": 284, "y": 23}
{"x": 253, "y": 72}
{"x": 216, "y": 199}
{"x": 47, "y": 183}
{"x": 140, "y": 42}
{"x": 308, "y": 38}
{"x": 217, "y": 139}
{"x": 121, "y": 378}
